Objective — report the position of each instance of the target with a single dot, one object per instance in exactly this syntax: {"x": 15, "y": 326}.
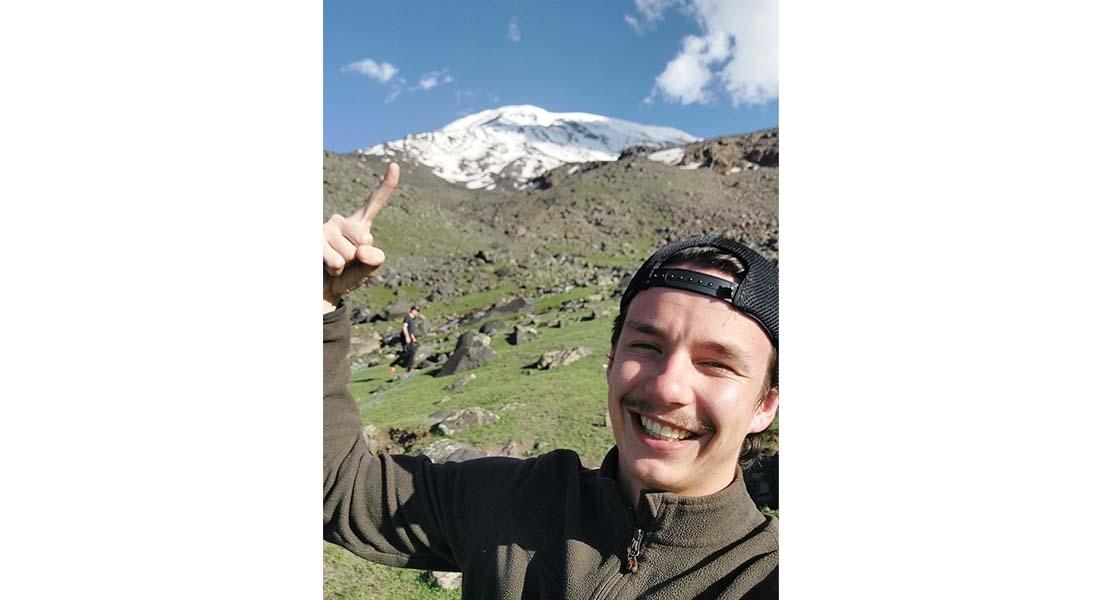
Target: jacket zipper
{"x": 633, "y": 550}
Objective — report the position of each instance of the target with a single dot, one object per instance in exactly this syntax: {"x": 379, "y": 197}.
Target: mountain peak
{"x": 520, "y": 142}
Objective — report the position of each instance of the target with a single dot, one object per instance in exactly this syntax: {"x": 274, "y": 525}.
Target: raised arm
{"x": 382, "y": 509}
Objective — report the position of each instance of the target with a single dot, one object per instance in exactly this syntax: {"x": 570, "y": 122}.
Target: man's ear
{"x": 765, "y": 411}
{"x": 610, "y": 363}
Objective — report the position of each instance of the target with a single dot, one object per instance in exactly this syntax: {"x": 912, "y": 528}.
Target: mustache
{"x": 646, "y": 405}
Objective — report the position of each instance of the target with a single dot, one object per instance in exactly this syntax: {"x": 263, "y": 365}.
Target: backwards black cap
{"x": 756, "y": 294}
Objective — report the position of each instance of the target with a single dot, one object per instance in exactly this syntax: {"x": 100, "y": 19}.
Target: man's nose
{"x": 671, "y": 383}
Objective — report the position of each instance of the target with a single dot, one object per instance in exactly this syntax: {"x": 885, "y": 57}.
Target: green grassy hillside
{"x": 455, "y": 252}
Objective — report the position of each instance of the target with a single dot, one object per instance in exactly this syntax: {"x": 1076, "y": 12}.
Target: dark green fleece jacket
{"x": 544, "y": 527}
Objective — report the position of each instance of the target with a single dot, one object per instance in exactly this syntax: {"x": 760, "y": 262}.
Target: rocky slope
{"x": 584, "y": 223}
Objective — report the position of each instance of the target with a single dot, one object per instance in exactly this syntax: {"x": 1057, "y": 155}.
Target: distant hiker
{"x": 408, "y": 338}
{"x": 693, "y": 382}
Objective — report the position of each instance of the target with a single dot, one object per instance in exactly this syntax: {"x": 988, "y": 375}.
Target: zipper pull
{"x": 634, "y": 550}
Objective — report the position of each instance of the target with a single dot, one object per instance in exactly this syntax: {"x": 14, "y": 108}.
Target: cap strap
{"x": 693, "y": 281}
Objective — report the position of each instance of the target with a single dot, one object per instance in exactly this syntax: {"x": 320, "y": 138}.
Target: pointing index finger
{"x": 367, "y": 213}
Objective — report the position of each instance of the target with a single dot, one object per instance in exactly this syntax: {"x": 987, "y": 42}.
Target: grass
{"x": 348, "y": 577}
{"x": 562, "y": 408}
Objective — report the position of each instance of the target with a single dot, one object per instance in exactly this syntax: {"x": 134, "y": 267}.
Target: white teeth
{"x": 662, "y": 431}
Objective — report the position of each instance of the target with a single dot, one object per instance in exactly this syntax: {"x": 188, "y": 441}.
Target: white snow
{"x": 692, "y": 165}
{"x": 522, "y": 142}
{"x": 671, "y": 156}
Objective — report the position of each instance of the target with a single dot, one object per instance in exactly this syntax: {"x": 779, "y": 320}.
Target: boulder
{"x": 458, "y": 384}
{"x": 517, "y": 448}
{"x": 451, "y": 451}
{"x": 559, "y": 358}
{"x": 493, "y": 327}
{"x": 397, "y": 309}
{"x": 445, "y": 579}
{"x": 368, "y": 344}
{"x": 511, "y": 307}
{"x": 623, "y": 284}
{"x": 521, "y": 334}
{"x": 359, "y": 314}
{"x": 423, "y": 352}
{"x": 464, "y": 420}
{"x": 377, "y": 441}
{"x": 472, "y": 351}
{"x": 437, "y": 416}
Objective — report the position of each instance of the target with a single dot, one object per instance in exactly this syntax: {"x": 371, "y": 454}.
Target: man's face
{"x": 684, "y": 383}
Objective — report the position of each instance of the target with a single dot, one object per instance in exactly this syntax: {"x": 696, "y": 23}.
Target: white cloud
{"x": 739, "y": 51}
{"x": 630, "y": 20}
{"x": 434, "y": 78}
{"x": 381, "y": 72}
{"x": 513, "y": 29}
{"x": 684, "y": 79}
{"x": 653, "y": 10}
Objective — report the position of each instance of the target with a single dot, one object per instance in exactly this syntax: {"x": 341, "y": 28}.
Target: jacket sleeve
{"x": 401, "y": 511}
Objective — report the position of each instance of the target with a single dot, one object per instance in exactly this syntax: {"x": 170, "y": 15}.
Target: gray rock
{"x": 493, "y": 328}
{"x": 458, "y": 384}
{"x": 397, "y": 309}
{"x": 376, "y": 440}
{"x": 472, "y": 351}
{"x": 451, "y": 451}
{"x": 521, "y": 334}
{"x": 511, "y": 307}
{"x": 517, "y": 448}
{"x": 623, "y": 284}
{"x": 553, "y": 359}
{"x": 464, "y": 420}
{"x": 365, "y": 345}
{"x": 438, "y": 416}
{"x": 423, "y": 352}
{"x": 445, "y": 579}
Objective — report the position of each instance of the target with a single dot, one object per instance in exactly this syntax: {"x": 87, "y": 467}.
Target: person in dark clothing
{"x": 408, "y": 339}
{"x": 693, "y": 381}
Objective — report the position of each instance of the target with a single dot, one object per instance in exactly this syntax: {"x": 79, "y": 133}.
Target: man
{"x": 408, "y": 338}
{"x": 692, "y": 373}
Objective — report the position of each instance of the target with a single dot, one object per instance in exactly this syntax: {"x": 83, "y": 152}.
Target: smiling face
{"x": 686, "y": 383}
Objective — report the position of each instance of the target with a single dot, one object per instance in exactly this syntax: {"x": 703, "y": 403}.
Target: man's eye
{"x": 643, "y": 346}
{"x": 718, "y": 365}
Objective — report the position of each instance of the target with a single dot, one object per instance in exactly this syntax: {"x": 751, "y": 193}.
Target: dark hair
{"x": 709, "y": 257}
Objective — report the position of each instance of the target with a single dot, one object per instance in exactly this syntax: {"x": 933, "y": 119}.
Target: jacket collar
{"x": 717, "y": 519}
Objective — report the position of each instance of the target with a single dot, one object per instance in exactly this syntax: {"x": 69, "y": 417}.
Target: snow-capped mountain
{"x": 517, "y": 143}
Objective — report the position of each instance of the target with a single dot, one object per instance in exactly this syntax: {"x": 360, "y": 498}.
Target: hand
{"x": 349, "y": 254}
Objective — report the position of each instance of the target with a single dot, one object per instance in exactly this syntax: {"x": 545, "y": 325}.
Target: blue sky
{"x": 707, "y": 67}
